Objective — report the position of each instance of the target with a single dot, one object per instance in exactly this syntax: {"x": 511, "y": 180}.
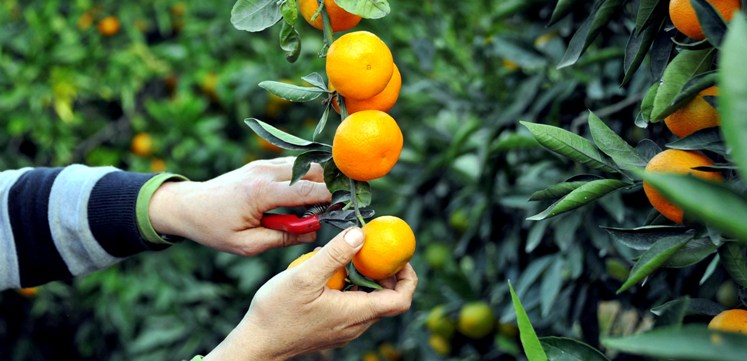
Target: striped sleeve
{"x": 58, "y": 223}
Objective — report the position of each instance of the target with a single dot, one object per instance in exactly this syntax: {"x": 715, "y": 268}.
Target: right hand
{"x": 294, "y": 313}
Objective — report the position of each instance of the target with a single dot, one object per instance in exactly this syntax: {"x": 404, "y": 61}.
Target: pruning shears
{"x": 312, "y": 218}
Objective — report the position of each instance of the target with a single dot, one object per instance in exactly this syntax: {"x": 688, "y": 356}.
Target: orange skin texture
{"x": 359, "y": 65}
{"x": 390, "y": 244}
{"x": 108, "y": 26}
{"x": 383, "y": 101}
{"x": 696, "y": 115}
{"x": 367, "y": 145}
{"x": 686, "y": 21}
{"x": 337, "y": 282}
{"x": 678, "y": 162}
{"x": 730, "y": 321}
{"x": 339, "y": 19}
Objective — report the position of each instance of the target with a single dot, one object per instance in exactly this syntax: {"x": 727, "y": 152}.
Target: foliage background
{"x": 180, "y": 72}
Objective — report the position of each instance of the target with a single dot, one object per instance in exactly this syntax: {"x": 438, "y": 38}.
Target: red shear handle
{"x": 291, "y": 223}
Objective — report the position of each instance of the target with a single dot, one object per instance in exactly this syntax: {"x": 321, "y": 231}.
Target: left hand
{"x": 225, "y": 212}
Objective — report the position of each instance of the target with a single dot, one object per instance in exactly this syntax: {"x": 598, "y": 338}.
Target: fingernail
{"x": 354, "y": 237}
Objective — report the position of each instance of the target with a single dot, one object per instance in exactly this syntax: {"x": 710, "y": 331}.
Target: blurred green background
{"x": 169, "y": 91}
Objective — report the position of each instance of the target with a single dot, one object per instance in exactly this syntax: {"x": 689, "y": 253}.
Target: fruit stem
{"x": 354, "y": 201}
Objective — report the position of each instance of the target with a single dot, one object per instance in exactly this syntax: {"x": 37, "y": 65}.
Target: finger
{"x": 303, "y": 192}
{"x": 281, "y": 169}
{"x": 257, "y": 240}
{"x": 336, "y": 254}
{"x": 392, "y": 302}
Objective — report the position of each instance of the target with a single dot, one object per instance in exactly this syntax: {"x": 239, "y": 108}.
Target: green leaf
{"x": 733, "y": 91}
{"x": 530, "y": 342}
{"x": 322, "y": 121}
{"x": 303, "y": 162}
{"x": 363, "y": 193}
{"x": 647, "y": 105}
{"x": 556, "y": 191}
{"x": 690, "y": 90}
{"x": 636, "y": 50}
{"x": 693, "y": 252}
{"x": 613, "y": 145}
{"x": 671, "y": 313}
{"x": 603, "y": 12}
{"x": 283, "y": 139}
{"x": 649, "y": 11}
{"x": 358, "y": 279}
{"x": 713, "y": 25}
{"x": 580, "y": 196}
{"x": 292, "y": 92}
{"x": 692, "y": 307}
{"x": 368, "y": 9}
{"x": 568, "y": 349}
{"x": 290, "y": 42}
{"x": 255, "y": 15}
{"x": 642, "y": 238}
{"x": 289, "y": 11}
{"x": 688, "y": 342}
{"x": 653, "y": 258}
{"x": 562, "y": 8}
{"x": 704, "y": 139}
{"x": 684, "y": 66}
{"x": 570, "y": 145}
{"x": 734, "y": 261}
{"x": 709, "y": 202}
{"x": 552, "y": 281}
{"x": 316, "y": 80}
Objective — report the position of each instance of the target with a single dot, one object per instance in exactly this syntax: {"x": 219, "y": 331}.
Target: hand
{"x": 294, "y": 313}
{"x": 224, "y": 213}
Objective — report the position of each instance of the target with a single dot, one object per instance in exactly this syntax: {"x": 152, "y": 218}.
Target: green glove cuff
{"x": 141, "y": 208}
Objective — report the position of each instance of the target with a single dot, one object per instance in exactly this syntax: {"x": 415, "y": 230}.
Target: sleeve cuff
{"x": 141, "y": 209}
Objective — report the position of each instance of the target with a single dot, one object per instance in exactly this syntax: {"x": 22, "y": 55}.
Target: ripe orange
{"x": 337, "y": 282}
{"x": 383, "y": 101}
{"x": 142, "y": 144}
{"x": 28, "y": 292}
{"x": 684, "y": 19}
{"x": 389, "y": 245}
{"x": 730, "y": 321}
{"x": 157, "y": 165}
{"x": 340, "y": 19}
{"x": 359, "y": 65}
{"x": 696, "y": 115}
{"x": 108, "y": 26}
{"x": 367, "y": 145}
{"x": 476, "y": 320}
{"x": 681, "y": 162}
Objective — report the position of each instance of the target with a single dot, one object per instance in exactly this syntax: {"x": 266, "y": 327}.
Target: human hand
{"x": 294, "y": 313}
{"x": 225, "y": 212}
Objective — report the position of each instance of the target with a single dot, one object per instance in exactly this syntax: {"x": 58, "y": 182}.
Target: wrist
{"x": 245, "y": 343}
{"x": 167, "y": 208}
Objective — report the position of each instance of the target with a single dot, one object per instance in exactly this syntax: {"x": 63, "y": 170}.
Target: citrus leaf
{"x": 290, "y": 42}
{"x": 568, "y": 349}
{"x": 282, "y": 139}
{"x": 671, "y": 313}
{"x": 654, "y": 258}
{"x": 369, "y": 9}
{"x": 316, "y": 80}
{"x": 622, "y": 153}
{"x": 636, "y": 50}
{"x": 734, "y": 261}
{"x": 642, "y": 238}
{"x": 733, "y": 90}
{"x": 690, "y": 90}
{"x": 710, "y": 270}
{"x": 692, "y": 45}
{"x": 529, "y": 341}
{"x": 603, "y": 12}
{"x": 562, "y": 8}
{"x": 550, "y": 286}
{"x": 660, "y": 52}
{"x": 687, "y": 64}
{"x": 289, "y": 11}
{"x": 693, "y": 252}
{"x": 358, "y": 279}
{"x": 570, "y": 145}
{"x": 303, "y": 162}
{"x": 647, "y": 105}
{"x": 255, "y": 15}
{"x": 693, "y": 307}
{"x": 535, "y": 235}
{"x": 688, "y": 342}
{"x": 556, "y": 191}
{"x": 322, "y": 122}
{"x": 292, "y": 92}
{"x": 713, "y": 25}
{"x": 649, "y": 11}
{"x": 709, "y": 202}
{"x": 580, "y": 196}
{"x": 704, "y": 139}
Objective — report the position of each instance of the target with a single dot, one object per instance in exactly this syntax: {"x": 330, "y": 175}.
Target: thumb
{"x": 336, "y": 254}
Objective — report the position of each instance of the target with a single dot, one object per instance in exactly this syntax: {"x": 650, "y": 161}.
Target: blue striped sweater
{"x": 57, "y": 223}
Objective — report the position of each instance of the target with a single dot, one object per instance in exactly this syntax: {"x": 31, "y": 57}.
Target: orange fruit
{"x": 389, "y": 245}
{"x": 28, "y": 292}
{"x": 679, "y": 162}
{"x": 359, "y": 65}
{"x": 142, "y": 144}
{"x": 684, "y": 19}
{"x": 337, "y": 282}
{"x": 157, "y": 165}
{"x": 339, "y": 18}
{"x": 476, "y": 320}
{"x": 367, "y": 145}
{"x": 383, "y": 101}
{"x": 108, "y": 26}
{"x": 439, "y": 323}
{"x": 730, "y": 321}
{"x": 696, "y": 115}
{"x": 439, "y": 344}
{"x": 390, "y": 352}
